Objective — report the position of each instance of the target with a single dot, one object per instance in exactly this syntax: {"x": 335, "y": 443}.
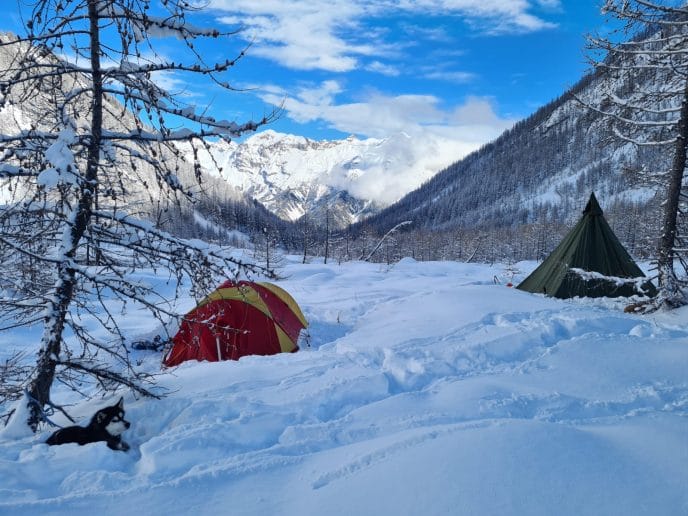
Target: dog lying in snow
{"x": 107, "y": 425}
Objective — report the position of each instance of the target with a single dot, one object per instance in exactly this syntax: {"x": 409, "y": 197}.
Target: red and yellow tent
{"x": 238, "y": 319}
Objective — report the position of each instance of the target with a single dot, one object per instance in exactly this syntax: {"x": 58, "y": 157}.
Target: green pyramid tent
{"x": 589, "y": 262}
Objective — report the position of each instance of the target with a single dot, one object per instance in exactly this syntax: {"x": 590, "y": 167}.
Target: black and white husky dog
{"x": 107, "y": 425}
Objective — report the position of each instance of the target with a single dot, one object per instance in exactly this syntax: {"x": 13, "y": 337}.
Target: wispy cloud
{"x": 382, "y": 68}
{"x": 327, "y": 34}
{"x": 300, "y": 35}
{"x": 428, "y": 135}
{"x": 449, "y": 76}
{"x": 488, "y": 16}
{"x": 438, "y": 34}
{"x": 377, "y": 114}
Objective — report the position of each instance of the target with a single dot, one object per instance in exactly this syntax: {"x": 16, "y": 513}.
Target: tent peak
{"x": 593, "y": 207}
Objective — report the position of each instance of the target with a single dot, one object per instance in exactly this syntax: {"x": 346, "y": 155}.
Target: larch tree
{"x": 89, "y": 162}
{"x": 645, "y": 101}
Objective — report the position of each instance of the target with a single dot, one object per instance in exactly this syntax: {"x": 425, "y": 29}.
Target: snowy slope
{"x": 426, "y": 389}
{"x": 292, "y": 175}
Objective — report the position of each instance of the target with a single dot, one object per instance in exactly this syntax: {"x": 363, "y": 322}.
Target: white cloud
{"x": 490, "y": 16}
{"x": 451, "y": 76}
{"x": 322, "y": 95}
{"x": 378, "y": 115}
{"x": 173, "y": 83}
{"x": 423, "y": 137}
{"x": 300, "y": 35}
{"x": 412, "y": 160}
{"x": 435, "y": 34}
{"x": 378, "y": 67}
{"x": 326, "y": 34}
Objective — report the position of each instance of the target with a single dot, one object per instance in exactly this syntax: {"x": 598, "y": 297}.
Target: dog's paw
{"x": 124, "y": 446}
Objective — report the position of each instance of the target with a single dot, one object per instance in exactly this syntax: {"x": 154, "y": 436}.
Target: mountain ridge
{"x": 541, "y": 170}
{"x": 295, "y": 176}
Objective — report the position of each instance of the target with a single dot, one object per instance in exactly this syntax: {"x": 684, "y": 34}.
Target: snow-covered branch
{"x": 98, "y": 149}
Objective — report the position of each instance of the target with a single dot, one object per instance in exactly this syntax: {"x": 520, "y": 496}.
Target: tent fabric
{"x": 238, "y": 319}
{"x": 589, "y": 262}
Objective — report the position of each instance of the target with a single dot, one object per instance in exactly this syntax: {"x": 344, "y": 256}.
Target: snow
{"x": 61, "y": 157}
{"x": 289, "y": 173}
{"x": 230, "y": 234}
{"x": 422, "y": 388}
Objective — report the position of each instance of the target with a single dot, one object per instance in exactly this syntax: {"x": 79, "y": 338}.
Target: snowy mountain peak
{"x": 271, "y": 137}
{"x": 294, "y": 175}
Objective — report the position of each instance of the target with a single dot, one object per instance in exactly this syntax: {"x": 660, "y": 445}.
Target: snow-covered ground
{"x": 426, "y": 389}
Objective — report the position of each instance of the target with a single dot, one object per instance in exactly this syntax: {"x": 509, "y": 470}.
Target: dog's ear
{"x": 120, "y": 403}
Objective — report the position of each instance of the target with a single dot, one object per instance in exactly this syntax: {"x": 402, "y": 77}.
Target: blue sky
{"x": 376, "y": 68}
{"x": 452, "y": 74}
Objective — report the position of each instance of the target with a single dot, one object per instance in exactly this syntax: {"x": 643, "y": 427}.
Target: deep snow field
{"x": 423, "y": 389}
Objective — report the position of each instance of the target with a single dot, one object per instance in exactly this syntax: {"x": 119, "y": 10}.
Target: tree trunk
{"x": 267, "y": 250}
{"x": 57, "y": 309}
{"x": 327, "y": 233}
{"x": 670, "y": 290}
{"x": 305, "y": 239}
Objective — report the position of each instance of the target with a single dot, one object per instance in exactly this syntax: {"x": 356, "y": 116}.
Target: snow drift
{"x": 425, "y": 388}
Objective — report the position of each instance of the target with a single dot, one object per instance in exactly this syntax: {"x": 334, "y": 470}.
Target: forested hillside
{"x": 539, "y": 173}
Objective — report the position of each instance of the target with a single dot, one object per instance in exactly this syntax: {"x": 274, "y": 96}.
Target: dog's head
{"x": 111, "y": 419}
